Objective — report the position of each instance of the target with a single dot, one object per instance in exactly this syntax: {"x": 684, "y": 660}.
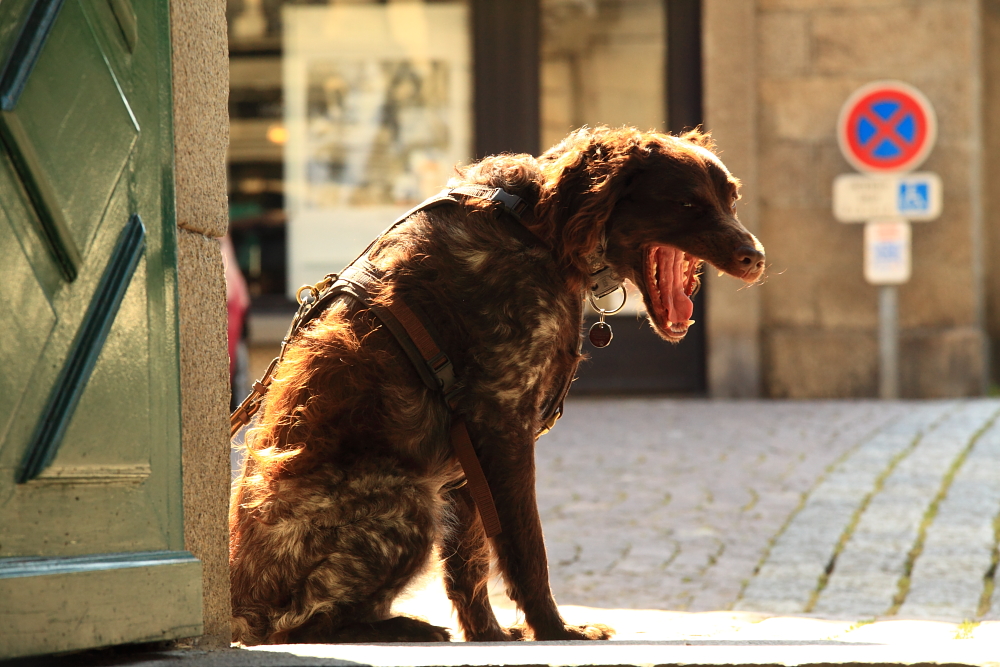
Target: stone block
{"x": 935, "y": 297}
{"x": 991, "y": 155}
{"x": 201, "y": 114}
{"x": 815, "y": 363}
{"x": 556, "y": 101}
{"x": 624, "y": 86}
{"x": 797, "y": 174}
{"x": 784, "y": 180}
{"x": 895, "y": 41}
{"x": 638, "y": 20}
{"x": 829, "y": 163}
{"x": 602, "y": 67}
{"x": 803, "y": 108}
{"x": 942, "y": 363}
{"x": 204, "y": 368}
{"x": 953, "y": 96}
{"x": 783, "y": 43}
{"x": 774, "y": 5}
{"x": 815, "y": 275}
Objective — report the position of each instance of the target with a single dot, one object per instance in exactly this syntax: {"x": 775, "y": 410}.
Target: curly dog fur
{"x": 345, "y": 490}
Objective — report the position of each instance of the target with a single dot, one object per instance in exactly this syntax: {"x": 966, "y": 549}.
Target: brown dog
{"x": 350, "y": 477}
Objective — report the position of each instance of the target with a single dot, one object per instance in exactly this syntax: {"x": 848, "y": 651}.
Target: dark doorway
{"x": 638, "y": 361}
{"x": 505, "y": 61}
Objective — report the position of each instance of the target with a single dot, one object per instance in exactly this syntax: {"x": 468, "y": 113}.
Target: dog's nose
{"x": 750, "y": 259}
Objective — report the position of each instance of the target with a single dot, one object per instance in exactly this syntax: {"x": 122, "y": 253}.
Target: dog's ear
{"x": 584, "y": 176}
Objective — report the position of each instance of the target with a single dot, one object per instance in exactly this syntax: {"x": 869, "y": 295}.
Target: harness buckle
{"x": 451, "y": 397}
{"x": 443, "y": 370}
{"x": 604, "y": 282}
{"x": 512, "y": 203}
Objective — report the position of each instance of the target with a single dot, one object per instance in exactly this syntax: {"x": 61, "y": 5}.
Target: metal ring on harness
{"x": 593, "y": 302}
{"x": 313, "y": 294}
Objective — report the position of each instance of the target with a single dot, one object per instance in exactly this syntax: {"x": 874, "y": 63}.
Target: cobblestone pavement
{"x": 836, "y": 509}
{"x": 840, "y": 510}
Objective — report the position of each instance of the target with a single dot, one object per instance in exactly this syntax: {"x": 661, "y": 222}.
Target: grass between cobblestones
{"x": 845, "y": 536}
{"x": 903, "y": 585}
{"x": 985, "y": 600}
{"x": 802, "y": 502}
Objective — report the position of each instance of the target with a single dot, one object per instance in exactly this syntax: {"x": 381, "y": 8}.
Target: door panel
{"x": 37, "y": 592}
{"x": 26, "y": 314}
{"x": 91, "y": 534}
{"x": 59, "y": 113}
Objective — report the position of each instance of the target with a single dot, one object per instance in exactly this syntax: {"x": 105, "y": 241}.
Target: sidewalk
{"x": 751, "y": 532}
{"x": 781, "y": 522}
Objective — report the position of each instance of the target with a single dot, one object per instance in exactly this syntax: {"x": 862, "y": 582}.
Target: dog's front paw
{"x": 571, "y": 632}
{"x": 497, "y": 634}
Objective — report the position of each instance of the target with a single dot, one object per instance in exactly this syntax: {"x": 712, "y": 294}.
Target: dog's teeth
{"x": 721, "y": 273}
{"x": 670, "y": 325}
{"x": 690, "y": 322}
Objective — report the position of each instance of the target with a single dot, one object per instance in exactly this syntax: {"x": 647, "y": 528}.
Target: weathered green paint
{"x": 86, "y": 146}
{"x": 82, "y": 357}
{"x": 164, "y": 594}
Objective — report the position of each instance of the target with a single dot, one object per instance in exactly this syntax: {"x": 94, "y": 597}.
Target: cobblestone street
{"x": 847, "y": 511}
{"x": 839, "y": 509}
{"x": 804, "y": 532}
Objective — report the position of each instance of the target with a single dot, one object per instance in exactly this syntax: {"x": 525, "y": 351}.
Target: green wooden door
{"x": 91, "y": 532}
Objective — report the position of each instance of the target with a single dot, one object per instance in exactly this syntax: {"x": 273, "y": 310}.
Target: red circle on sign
{"x": 886, "y": 126}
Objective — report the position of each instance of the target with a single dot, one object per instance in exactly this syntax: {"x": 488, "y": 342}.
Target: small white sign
{"x": 864, "y": 197}
{"x": 887, "y": 252}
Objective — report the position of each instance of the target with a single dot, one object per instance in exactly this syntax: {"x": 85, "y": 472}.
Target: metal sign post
{"x": 888, "y": 341}
{"x": 886, "y": 129}
{"x": 887, "y": 264}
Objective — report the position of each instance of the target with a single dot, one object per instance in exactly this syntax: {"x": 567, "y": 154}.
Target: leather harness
{"x": 414, "y": 333}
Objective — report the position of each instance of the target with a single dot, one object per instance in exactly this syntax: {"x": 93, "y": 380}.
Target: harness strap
{"x": 478, "y": 487}
{"x": 412, "y": 331}
{"x": 436, "y": 370}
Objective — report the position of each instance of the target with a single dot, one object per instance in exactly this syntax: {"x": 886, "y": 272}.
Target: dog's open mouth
{"x": 671, "y": 279}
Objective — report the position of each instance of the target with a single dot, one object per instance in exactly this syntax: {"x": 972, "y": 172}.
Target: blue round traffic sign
{"x": 886, "y": 126}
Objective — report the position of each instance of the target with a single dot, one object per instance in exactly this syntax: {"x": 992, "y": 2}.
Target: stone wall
{"x": 819, "y": 316}
{"x": 991, "y": 163}
{"x": 730, "y": 103}
{"x": 201, "y": 135}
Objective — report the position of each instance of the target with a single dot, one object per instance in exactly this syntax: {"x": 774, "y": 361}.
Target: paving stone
{"x": 948, "y": 578}
{"x": 867, "y": 572}
{"x": 788, "y": 579}
{"x": 695, "y": 489}
{"x": 693, "y": 505}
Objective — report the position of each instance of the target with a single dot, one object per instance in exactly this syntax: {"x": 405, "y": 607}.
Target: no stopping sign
{"x": 886, "y": 126}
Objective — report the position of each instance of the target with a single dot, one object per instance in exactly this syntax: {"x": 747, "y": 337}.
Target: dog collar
{"x": 603, "y": 279}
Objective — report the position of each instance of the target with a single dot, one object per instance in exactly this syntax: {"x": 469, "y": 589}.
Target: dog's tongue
{"x": 672, "y": 281}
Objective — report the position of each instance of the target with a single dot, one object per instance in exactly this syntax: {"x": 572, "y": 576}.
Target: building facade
{"x": 768, "y": 78}
{"x": 777, "y": 73}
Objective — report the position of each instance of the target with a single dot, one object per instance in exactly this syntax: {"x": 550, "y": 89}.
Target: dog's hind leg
{"x": 329, "y": 555}
{"x": 467, "y": 570}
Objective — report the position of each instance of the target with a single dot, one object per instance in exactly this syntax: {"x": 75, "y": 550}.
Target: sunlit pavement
{"x": 756, "y": 532}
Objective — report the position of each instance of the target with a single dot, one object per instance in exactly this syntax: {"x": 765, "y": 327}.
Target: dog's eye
{"x": 687, "y": 204}
{"x": 733, "y": 205}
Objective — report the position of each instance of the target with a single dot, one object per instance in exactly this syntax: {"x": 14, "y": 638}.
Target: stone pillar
{"x": 201, "y": 136}
{"x": 819, "y": 315}
{"x": 730, "y": 103}
{"x": 991, "y": 176}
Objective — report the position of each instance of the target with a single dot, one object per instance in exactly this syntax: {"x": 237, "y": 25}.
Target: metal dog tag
{"x": 601, "y": 334}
